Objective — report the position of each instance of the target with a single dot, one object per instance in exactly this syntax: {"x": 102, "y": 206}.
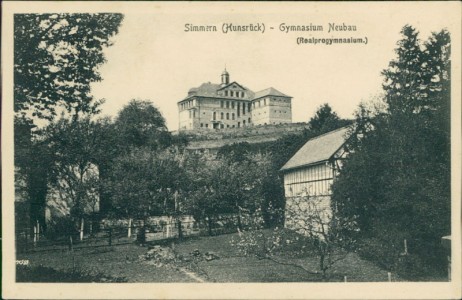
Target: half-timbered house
{"x": 308, "y": 177}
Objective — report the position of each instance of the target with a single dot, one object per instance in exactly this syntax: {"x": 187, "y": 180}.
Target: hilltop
{"x": 217, "y": 138}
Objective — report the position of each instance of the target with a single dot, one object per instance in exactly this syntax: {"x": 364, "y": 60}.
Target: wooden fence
{"x": 113, "y": 234}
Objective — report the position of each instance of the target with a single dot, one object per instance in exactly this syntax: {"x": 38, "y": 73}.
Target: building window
{"x": 226, "y": 93}
{"x": 206, "y": 125}
{"x": 221, "y": 104}
{"x": 222, "y": 116}
{"x": 232, "y": 93}
{"x": 243, "y": 108}
{"x": 238, "y": 124}
{"x": 232, "y": 116}
{"x": 227, "y": 126}
{"x": 264, "y": 101}
{"x": 232, "y": 105}
{"x": 234, "y": 126}
{"x": 222, "y": 126}
{"x": 249, "y": 107}
{"x": 227, "y": 104}
{"x": 227, "y": 116}
{"x": 249, "y": 120}
{"x": 214, "y": 115}
{"x": 243, "y": 123}
{"x": 202, "y": 124}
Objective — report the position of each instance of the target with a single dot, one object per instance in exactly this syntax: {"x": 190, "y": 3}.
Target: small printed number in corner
{"x": 24, "y": 262}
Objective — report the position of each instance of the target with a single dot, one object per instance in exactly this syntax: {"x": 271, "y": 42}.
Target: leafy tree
{"x": 33, "y": 161}
{"x": 401, "y": 157}
{"x": 75, "y": 147}
{"x": 56, "y": 58}
{"x": 219, "y": 185}
{"x": 145, "y": 183}
{"x": 325, "y": 120}
{"x": 140, "y": 124}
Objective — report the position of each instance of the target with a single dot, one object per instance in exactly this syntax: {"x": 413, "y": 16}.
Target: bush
{"x": 60, "y": 227}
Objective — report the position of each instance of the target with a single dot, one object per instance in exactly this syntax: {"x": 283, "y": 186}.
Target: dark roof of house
{"x": 269, "y": 92}
{"x": 211, "y": 90}
{"x": 318, "y": 149}
{"x": 206, "y": 89}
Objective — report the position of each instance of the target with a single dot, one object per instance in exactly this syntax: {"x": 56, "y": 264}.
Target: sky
{"x": 153, "y": 58}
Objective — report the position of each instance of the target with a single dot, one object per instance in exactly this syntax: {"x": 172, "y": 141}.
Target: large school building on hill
{"x": 232, "y": 105}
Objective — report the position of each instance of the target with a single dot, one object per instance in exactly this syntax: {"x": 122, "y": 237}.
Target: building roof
{"x": 206, "y": 89}
{"x": 211, "y": 90}
{"x": 269, "y": 92}
{"x": 318, "y": 149}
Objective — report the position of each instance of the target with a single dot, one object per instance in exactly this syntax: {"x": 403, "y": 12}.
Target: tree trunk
{"x": 210, "y": 225}
{"x": 180, "y": 231}
{"x": 322, "y": 267}
{"x": 81, "y": 229}
{"x": 129, "y": 234}
{"x": 239, "y": 222}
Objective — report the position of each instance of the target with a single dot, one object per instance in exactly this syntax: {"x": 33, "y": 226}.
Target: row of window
{"x": 237, "y": 94}
{"x": 187, "y": 104}
{"x": 232, "y": 105}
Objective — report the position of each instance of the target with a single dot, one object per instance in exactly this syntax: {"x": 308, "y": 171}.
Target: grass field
{"x": 122, "y": 263}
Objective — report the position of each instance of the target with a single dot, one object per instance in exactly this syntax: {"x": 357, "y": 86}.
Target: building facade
{"x": 232, "y": 105}
{"x": 308, "y": 177}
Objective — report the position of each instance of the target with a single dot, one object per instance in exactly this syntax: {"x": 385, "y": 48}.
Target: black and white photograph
{"x": 231, "y": 150}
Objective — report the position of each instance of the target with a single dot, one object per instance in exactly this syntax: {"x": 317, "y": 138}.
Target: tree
{"x": 56, "y": 58}
{"x": 325, "y": 120}
{"x": 33, "y": 161}
{"x": 75, "y": 148}
{"x": 401, "y": 157}
{"x": 140, "y": 124}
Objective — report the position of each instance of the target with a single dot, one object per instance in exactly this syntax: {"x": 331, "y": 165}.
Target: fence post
{"x": 405, "y": 247}
{"x": 129, "y": 234}
{"x": 71, "y": 246}
{"x": 35, "y": 236}
{"x": 38, "y": 230}
{"x": 81, "y": 229}
{"x": 345, "y": 278}
{"x": 389, "y": 276}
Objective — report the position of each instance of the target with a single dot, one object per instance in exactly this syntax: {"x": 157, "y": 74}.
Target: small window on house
{"x": 243, "y": 123}
{"x": 227, "y": 126}
{"x": 221, "y": 104}
{"x": 232, "y": 116}
{"x": 222, "y": 115}
{"x": 226, "y": 93}
{"x": 227, "y": 116}
{"x": 202, "y": 124}
{"x": 249, "y": 120}
{"x": 227, "y": 104}
{"x": 214, "y": 115}
{"x": 238, "y": 124}
{"x": 206, "y": 125}
{"x": 232, "y": 94}
{"x": 232, "y": 105}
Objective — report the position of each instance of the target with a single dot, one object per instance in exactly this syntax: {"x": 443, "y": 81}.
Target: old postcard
{"x": 231, "y": 150}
